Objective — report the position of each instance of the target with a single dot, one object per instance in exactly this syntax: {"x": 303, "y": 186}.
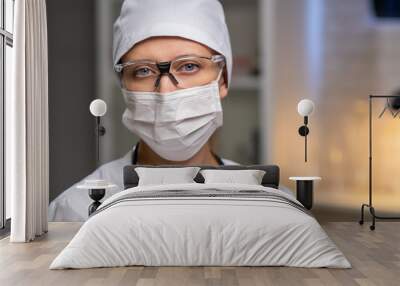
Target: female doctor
{"x": 174, "y": 63}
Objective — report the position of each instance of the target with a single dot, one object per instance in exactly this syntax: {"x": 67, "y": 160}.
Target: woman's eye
{"x": 189, "y": 67}
{"x": 142, "y": 72}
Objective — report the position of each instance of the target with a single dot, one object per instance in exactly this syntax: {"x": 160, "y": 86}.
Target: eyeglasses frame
{"x": 164, "y": 67}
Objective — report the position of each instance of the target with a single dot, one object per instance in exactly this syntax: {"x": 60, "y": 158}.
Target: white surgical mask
{"x": 175, "y": 124}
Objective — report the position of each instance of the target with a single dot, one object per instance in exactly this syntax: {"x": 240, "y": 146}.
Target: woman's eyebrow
{"x": 177, "y": 57}
{"x": 191, "y": 55}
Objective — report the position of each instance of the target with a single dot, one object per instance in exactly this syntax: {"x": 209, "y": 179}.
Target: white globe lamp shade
{"x": 305, "y": 107}
{"x": 98, "y": 107}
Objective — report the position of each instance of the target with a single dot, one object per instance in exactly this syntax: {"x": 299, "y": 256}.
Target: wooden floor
{"x": 375, "y": 257}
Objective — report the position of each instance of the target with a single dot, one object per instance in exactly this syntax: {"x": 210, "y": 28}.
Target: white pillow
{"x": 249, "y": 177}
{"x": 162, "y": 176}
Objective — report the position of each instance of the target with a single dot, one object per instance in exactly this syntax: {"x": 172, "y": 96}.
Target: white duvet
{"x": 223, "y": 224}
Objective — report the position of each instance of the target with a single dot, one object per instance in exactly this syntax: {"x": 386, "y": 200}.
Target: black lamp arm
{"x": 101, "y": 130}
{"x": 304, "y": 131}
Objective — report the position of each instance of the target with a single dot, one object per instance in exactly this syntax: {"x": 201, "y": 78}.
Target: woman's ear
{"x": 223, "y": 88}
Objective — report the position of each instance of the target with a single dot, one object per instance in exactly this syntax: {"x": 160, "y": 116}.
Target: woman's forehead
{"x": 166, "y": 49}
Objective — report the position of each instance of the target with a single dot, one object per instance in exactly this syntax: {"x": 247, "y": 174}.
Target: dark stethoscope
{"x": 135, "y": 156}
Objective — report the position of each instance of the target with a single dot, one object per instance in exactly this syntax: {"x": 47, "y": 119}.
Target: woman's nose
{"x": 166, "y": 84}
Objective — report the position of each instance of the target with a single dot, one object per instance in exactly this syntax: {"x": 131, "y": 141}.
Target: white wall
{"x": 336, "y": 54}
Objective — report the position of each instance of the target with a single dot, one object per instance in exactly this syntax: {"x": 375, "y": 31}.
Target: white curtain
{"x": 27, "y": 147}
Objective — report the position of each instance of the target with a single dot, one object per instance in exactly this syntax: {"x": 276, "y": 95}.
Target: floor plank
{"x": 375, "y": 257}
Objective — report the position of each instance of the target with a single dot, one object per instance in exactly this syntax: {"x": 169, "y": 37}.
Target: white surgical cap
{"x": 202, "y": 21}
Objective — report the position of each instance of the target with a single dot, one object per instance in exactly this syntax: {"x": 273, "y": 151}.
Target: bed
{"x": 201, "y": 223}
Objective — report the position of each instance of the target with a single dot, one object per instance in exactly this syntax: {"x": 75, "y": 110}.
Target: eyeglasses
{"x": 184, "y": 72}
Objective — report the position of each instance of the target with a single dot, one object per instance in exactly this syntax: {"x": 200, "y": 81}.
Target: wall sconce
{"x": 98, "y": 108}
{"x": 305, "y": 107}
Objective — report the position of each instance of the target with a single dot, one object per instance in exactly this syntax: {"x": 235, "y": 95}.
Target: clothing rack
{"x": 370, "y": 205}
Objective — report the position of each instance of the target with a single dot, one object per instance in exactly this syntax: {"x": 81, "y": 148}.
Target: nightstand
{"x": 304, "y": 190}
{"x": 97, "y": 190}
